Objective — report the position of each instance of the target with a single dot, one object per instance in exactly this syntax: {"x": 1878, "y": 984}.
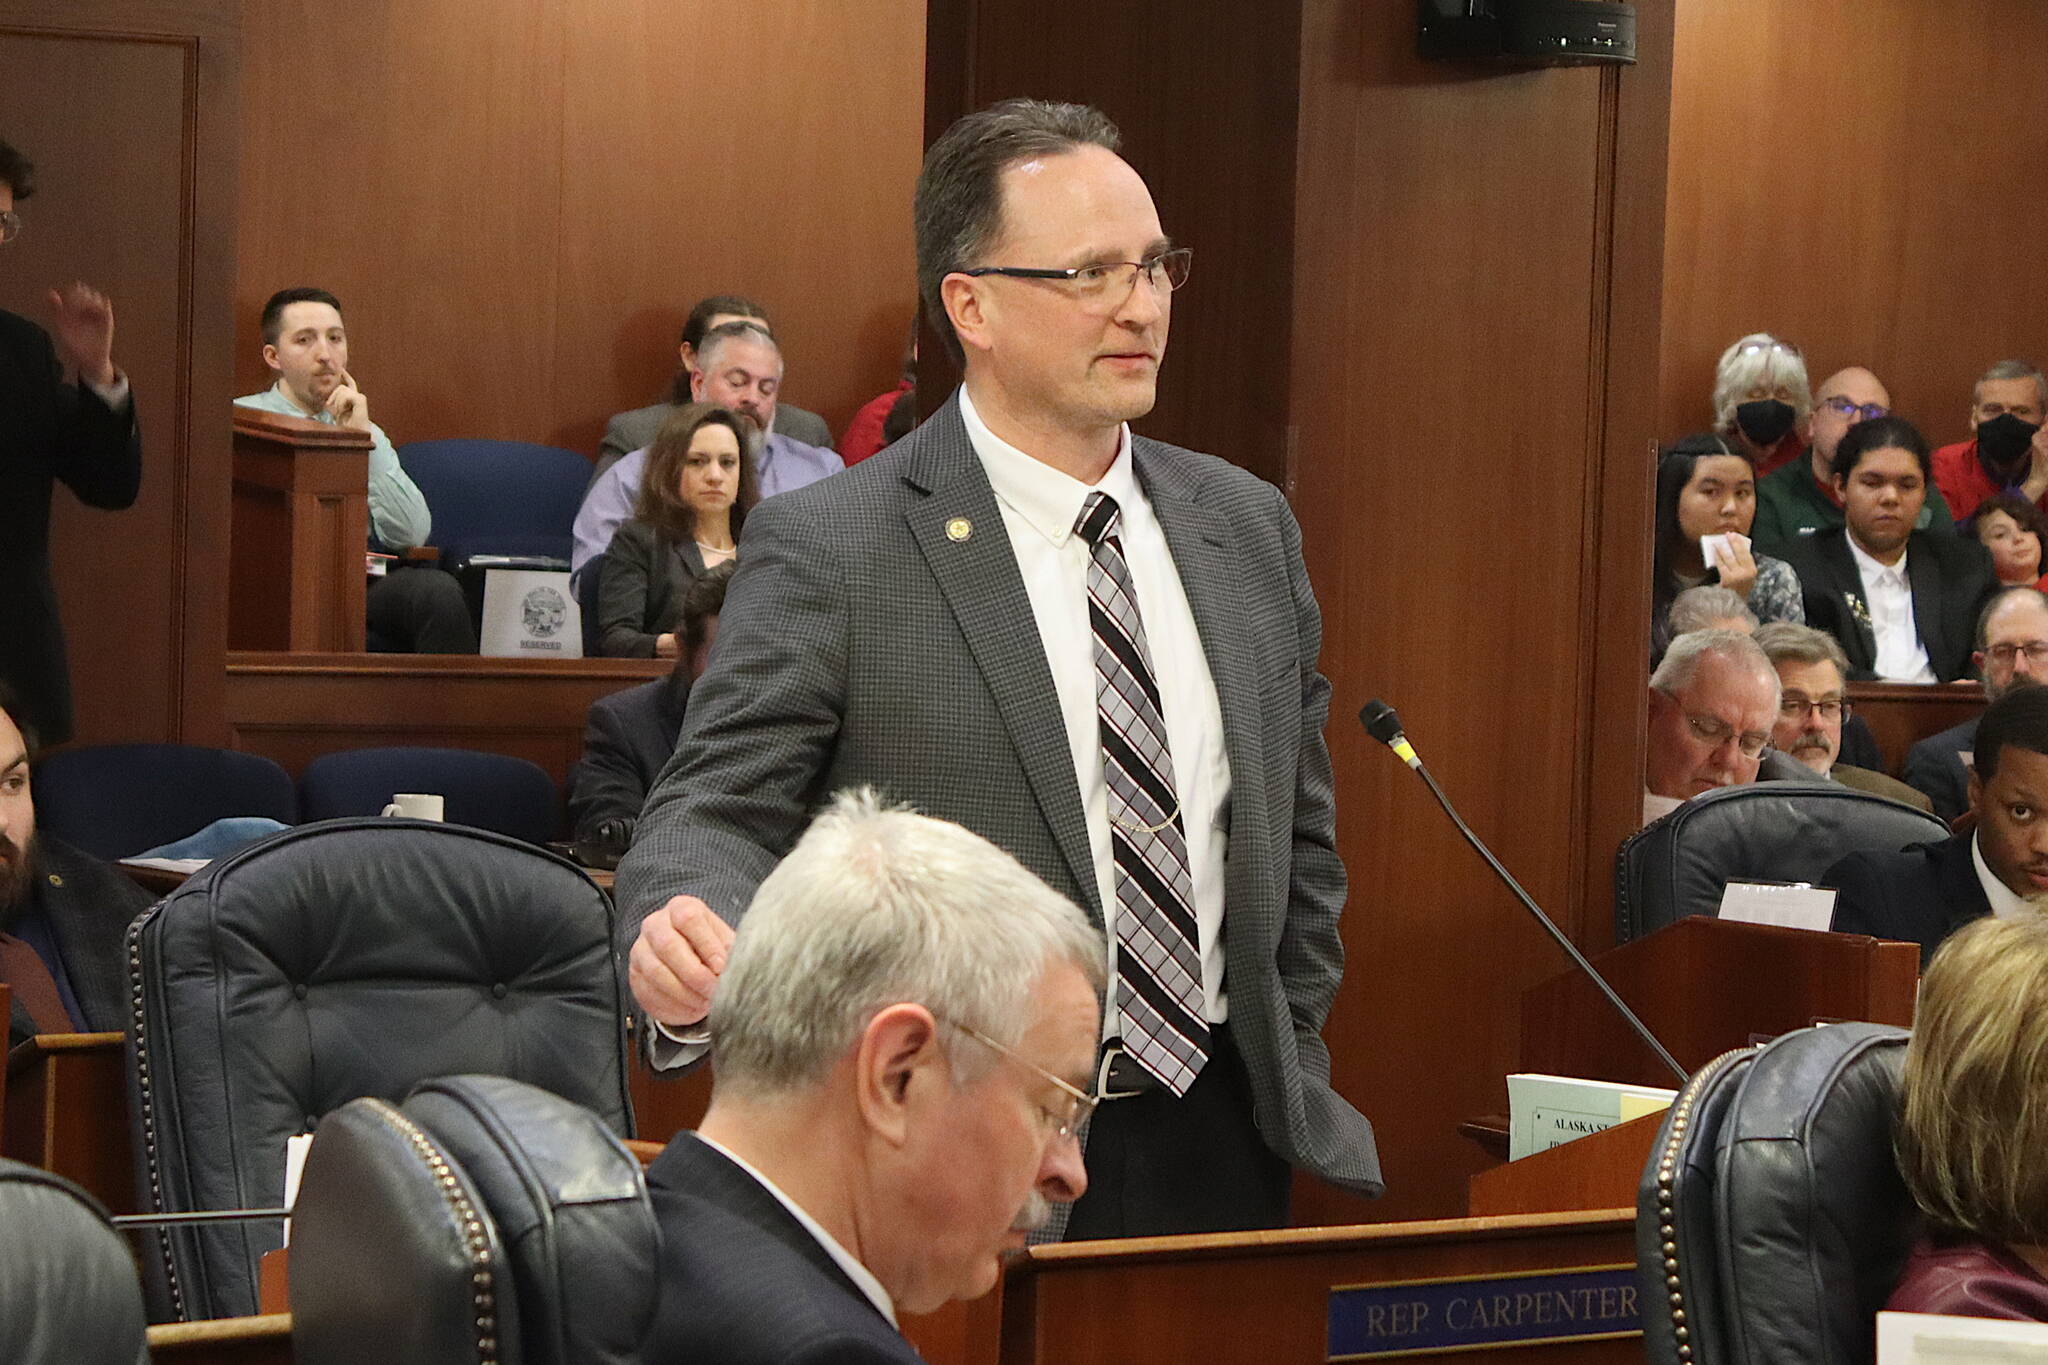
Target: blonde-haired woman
{"x": 1973, "y": 1134}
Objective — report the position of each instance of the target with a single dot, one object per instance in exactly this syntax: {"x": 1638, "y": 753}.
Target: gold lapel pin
{"x": 959, "y": 528}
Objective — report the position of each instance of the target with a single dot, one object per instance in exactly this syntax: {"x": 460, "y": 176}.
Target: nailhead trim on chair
{"x": 482, "y": 1283}
{"x": 1667, "y": 1175}
{"x": 148, "y": 1107}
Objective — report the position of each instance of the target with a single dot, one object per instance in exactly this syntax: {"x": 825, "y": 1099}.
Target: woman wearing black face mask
{"x": 2010, "y": 451}
{"x": 1761, "y": 400}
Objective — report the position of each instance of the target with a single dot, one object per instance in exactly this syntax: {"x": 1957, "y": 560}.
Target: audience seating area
{"x": 509, "y": 498}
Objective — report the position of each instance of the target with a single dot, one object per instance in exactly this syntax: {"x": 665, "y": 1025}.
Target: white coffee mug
{"x": 417, "y": 806}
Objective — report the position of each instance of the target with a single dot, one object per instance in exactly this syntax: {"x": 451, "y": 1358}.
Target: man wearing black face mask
{"x": 2010, "y": 452}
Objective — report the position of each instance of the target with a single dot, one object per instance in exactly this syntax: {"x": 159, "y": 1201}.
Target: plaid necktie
{"x": 1159, "y": 1006}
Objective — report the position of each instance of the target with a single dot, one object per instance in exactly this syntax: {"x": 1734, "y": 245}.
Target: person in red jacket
{"x": 2010, "y": 448}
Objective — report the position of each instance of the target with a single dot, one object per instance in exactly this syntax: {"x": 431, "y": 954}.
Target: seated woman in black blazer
{"x": 701, "y": 477}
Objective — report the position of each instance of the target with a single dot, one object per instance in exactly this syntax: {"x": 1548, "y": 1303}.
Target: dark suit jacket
{"x": 627, "y": 737}
{"x": 1921, "y": 894}
{"x": 88, "y": 907}
{"x": 878, "y": 632}
{"x": 1935, "y": 766}
{"x": 640, "y": 591}
{"x": 50, "y": 431}
{"x": 1951, "y": 578}
{"x": 742, "y": 1282}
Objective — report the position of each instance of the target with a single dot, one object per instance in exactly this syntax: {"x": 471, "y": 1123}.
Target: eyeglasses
{"x": 1856, "y": 412}
{"x": 2035, "y": 650}
{"x": 1708, "y": 730}
{"x": 1830, "y": 709}
{"x": 10, "y": 226}
{"x": 1076, "y": 1103}
{"x": 1111, "y": 282}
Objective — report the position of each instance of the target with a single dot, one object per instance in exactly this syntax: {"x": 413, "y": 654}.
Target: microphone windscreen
{"x": 1380, "y": 721}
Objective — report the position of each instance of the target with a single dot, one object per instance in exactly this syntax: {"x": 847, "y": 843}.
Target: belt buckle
{"x": 1109, "y": 1059}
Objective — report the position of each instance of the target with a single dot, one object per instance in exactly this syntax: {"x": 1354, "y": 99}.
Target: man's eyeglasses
{"x": 1076, "y": 1104}
{"x": 1708, "y": 730}
{"x": 2035, "y": 650}
{"x": 1829, "y": 709}
{"x": 10, "y": 226}
{"x": 1855, "y": 412}
{"x": 1111, "y": 282}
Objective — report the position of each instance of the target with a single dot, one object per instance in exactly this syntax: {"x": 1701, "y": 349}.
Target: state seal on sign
{"x": 545, "y": 611}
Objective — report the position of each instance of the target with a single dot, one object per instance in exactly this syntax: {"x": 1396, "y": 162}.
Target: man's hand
{"x": 677, "y": 960}
{"x": 2036, "y": 482}
{"x": 348, "y": 405}
{"x": 83, "y": 329}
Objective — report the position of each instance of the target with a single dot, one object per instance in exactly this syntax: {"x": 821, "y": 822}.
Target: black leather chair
{"x": 68, "y": 1289}
{"x": 1767, "y": 831}
{"x": 482, "y": 1220}
{"x": 334, "y": 961}
{"x": 1771, "y": 1221}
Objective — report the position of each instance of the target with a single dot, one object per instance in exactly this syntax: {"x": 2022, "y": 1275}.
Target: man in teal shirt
{"x": 416, "y": 610}
{"x": 1798, "y": 499}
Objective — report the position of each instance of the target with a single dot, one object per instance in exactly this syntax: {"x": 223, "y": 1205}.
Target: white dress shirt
{"x": 863, "y": 1278}
{"x": 1889, "y": 595}
{"x": 2006, "y": 903}
{"x": 1040, "y": 505}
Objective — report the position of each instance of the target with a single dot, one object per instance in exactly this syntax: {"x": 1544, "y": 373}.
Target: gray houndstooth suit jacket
{"x": 866, "y": 641}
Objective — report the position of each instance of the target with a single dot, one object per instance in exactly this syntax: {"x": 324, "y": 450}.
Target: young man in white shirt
{"x": 1902, "y": 602}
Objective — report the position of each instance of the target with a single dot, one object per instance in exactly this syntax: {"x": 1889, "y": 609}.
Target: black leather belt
{"x": 1119, "y": 1076}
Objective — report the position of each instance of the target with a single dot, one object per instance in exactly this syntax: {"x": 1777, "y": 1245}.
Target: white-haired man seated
{"x": 903, "y": 1040}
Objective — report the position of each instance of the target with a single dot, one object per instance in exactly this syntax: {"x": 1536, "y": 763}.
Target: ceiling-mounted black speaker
{"x": 1529, "y": 32}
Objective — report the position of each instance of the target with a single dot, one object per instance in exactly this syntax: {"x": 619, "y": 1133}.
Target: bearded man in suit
{"x": 1095, "y": 650}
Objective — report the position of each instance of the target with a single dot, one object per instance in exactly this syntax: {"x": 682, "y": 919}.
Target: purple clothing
{"x": 1966, "y": 1278}
{"x": 785, "y": 464}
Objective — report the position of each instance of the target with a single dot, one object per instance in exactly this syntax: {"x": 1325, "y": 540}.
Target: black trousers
{"x": 1159, "y": 1166}
{"x": 419, "y": 610}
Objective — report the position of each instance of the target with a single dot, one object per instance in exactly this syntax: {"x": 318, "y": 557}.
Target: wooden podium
{"x": 67, "y": 1112}
{"x": 1703, "y": 986}
{"x": 1707, "y": 985}
{"x": 301, "y": 522}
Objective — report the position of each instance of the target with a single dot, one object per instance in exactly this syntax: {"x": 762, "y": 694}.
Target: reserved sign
{"x": 1424, "y": 1317}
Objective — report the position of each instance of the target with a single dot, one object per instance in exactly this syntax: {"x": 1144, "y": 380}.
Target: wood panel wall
{"x": 128, "y": 109}
{"x": 518, "y": 203}
{"x": 1425, "y": 299}
{"x": 1863, "y": 177}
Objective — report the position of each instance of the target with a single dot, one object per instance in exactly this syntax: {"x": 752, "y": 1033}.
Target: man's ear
{"x": 1841, "y": 487}
{"x": 896, "y": 1063}
{"x": 687, "y": 355}
{"x": 270, "y": 357}
{"x": 1976, "y": 791}
{"x": 965, "y": 303}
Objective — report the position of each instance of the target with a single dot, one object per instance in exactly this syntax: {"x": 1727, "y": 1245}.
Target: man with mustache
{"x": 63, "y": 914}
{"x": 903, "y": 1056}
{"x": 1925, "y": 892}
{"x": 414, "y": 610}
{"x": 2009, "y": 451}
{"x": 1812, "y": 678}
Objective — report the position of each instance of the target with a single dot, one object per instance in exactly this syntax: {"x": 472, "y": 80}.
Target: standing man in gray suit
{"x": 1095, "y": 650}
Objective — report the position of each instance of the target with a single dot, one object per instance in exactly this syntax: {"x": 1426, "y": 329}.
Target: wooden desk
{"x": 1262, "y": 1298}
{"x": 265, "y": 1340}
{"x": 301, "y": 522}
{"x": 1902, "y": 714}
{"x": 293, "y": 707}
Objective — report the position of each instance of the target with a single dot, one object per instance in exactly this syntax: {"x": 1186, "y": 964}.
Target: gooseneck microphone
{"x": 1383, "y": 725}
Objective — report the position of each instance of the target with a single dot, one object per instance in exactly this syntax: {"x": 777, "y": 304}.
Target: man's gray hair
{"x": 878, "y": 906}
{"x": 958, "y": 208}
{"x": 1788, "y": 642}
{"x": 1759, "y": 359}
{"x": 724, "y": 333}
{"x": 1682, "y": 661}
{"x": 1698, "y": 608}
{"x": 2013, "y": 369}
